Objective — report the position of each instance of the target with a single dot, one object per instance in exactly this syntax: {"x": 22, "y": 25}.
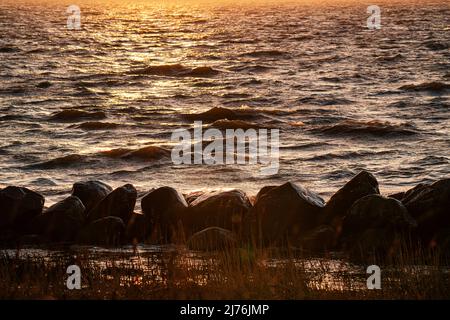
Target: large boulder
{"x": 108, "y": 231}
{"x": 441, "y": 242}
{"x": 411, "y": 193}
{"x": 399, "y": 195}
{"x": 263, "y": 191}
{"x": 64, "y": 220}
{"x": 18, "y": 206}
{"x": 321, "y": 239}
{"x": 119, "y": 203}
{"x": 212, "y": 239}
{"x": 38, "y": 224}
{"x": 430, "y": 206}
{"x": 138, "y": 229}
{"x": 287, "y": 212}
{"x": 226, "y": 210}
{"x": 363, "y": 184}
{"x": 90, "y": 192}
{"x": 374, "y": 225}
{"x": 163, "y": 209}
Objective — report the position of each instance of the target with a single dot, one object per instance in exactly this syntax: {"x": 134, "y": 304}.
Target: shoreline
{"x": 355, "y": 217}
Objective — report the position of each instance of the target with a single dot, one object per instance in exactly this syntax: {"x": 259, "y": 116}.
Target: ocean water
{"x": 102, "y": 102}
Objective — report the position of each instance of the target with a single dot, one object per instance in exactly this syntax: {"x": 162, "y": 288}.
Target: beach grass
{"x": 239, "y": 273}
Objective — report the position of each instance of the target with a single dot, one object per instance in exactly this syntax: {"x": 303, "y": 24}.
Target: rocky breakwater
{"x": 357, "y": 219}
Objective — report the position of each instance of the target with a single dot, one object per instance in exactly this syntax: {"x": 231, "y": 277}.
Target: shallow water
{"x": 344, "y": 98}
{"x": 150, "y": 262}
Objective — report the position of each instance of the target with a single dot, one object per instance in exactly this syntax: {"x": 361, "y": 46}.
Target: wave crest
{"x": 219, "y": 113}
{"x": 426, "y": 86}
{"x": 235, "y": 124}
{"x": 75, "y": 115}
{"x": 176, "y": 70}
{"x": 61, "y": 162}
{"x": 264, "y": 53}
{"x": 145, "y": 153}
{"x": 97, "y": 125}
{"x": 372, "y": 127}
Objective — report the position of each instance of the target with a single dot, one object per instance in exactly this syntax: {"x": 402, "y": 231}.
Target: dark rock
{"x": 441, "y": 242}
{"x": 263, "y": 191}
{"x": 374, "y": 224}
{"x": 406, "y": 195}
{"x": 212, "y": 239}
{"x": 163, "y": 209}
{"x": 411, "y": 193}
{"x": 218, "y": 209}
{"x": 38, "y": 224}
{"x": 363, "y": 184}
{"x": 65, "y": 219}
{"x": 90, "y": 192}
{"x": 398, "y": 196}
{"x": 320, "y": 239}
{"x": 119, "y": 203}
{"x": 108, "y": 231}
{"x": 430, "y": 206}
{"x": 18, "y": 206}
{"x": 138, "y": 229}
{"x": 8, "y": 238}
{"x": 32, "y": 239}
{"x": 287, "y": 212}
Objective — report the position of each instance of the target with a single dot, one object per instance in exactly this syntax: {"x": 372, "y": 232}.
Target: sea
{"x": 95, "y": 90}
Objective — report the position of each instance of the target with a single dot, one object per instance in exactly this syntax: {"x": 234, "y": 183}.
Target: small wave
{"x": 201, "y": 72}
{"x": 251, "y": 82}
{"x": 61, "y": 162}
{"x": 393, "y": 58}
{"x": 145, "y": 153}
{"x": 235, "y": 124}
{"x": 44, "y": 85}
{"x": 37, "y": 50}
{"x": 296, "y": 123}
{"x": 399, "y": 104}
{"x": 14, "y": 90}
{"x": 306, "y": 146}
{"x": 329, "y": 59}
{"x": 97, "y": 125}
{"x": 43, "y": 182}
{"x": 432, "y": 160}
{"x": 264, "y": 53}
{"x": 235, "y": 95}
{"x": 436, "y": 46}
{"x": 8, "y": 49}
{"x": 426, "y": 86}
{"x": 324, "y": 101}
{"x": 346, "y": 155}
{"x": 372, "y": 127}
{"x": 176, "y": 70}
{"x": 204, "y": 84}
{"x": 331, "y": 79}
{"x": 83, "y": 91}
{"x": 218, "y": 113}
{"x": 11, "y": 117}
{"x": 303, "y": 38}
{"x": 75, "y": 115}
{"x": 251, "y": 68}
